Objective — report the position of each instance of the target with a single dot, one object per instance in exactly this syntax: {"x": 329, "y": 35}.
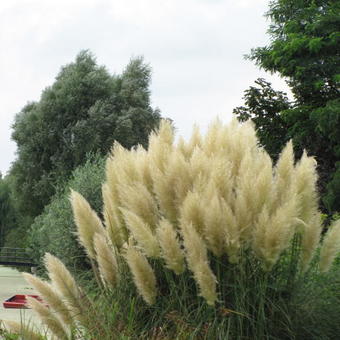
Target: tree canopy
{"x": 85, "y": 110}
{"x": 305, "y": 50}
{"x": 7, "y": 212}
{"x": 263, "y": 105}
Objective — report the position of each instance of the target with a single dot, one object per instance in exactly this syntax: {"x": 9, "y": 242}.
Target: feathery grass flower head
{"x": 142, "y": 273}
{"x": 48, "y": 318}
{"x": 107, "y": 262}
{"x": 330, "y": 246}
{"x": 51, "y": 297}
{"x": 206, "y": 281}
{"x": 170, "y": 247}
{"x": 142, "y": 233}
{"x": 112, "y": 219}
{"x": 87, "y": 222}
{"x": 67, "y": 287}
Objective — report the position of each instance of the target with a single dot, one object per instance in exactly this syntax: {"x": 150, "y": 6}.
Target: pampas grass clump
{"x": 214, "y": 211}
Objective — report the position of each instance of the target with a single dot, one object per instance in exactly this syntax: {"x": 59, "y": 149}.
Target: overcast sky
{"x": 195, "y": 49}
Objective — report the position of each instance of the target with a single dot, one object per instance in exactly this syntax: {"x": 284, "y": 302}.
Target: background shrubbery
{"x": 204, "y": 239}
{"x": 54, "y": 230}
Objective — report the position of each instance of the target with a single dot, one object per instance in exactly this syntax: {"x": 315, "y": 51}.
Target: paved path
{"x": 11, "y": 283}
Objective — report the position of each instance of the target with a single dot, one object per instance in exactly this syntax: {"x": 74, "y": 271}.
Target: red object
{"x": 19, "y": 301}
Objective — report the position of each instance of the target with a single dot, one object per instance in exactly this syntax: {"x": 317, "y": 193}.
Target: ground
{"x": 11, "y": 283}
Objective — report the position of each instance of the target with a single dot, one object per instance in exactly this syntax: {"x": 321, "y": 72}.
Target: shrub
{"x": 215, "y": 239}
{"x": 54, "y": 230}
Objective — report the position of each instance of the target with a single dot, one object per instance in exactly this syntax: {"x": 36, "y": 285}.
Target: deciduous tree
{"x": 304, "y": 49}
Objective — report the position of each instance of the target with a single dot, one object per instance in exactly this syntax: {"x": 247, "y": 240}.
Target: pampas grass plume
{"x": 214, "y": 230}
{"x": 50, "y": 296}
{"x": 310, "y": 240}
{"x": 139, "y": 200}
{"x": 164, "y": 189}
{"x": 143, "y": 275}
{"x": 66, "y": 286}
{"x": 142, "y": 233}
{"x": 87, "y": 221}
{"x": 206, "y": 281}
{"x": 330, "y": 247}
{"x": 106, "y": 260}
{"x": 279, "y": 231}
{"x": 306, "y": 178}
{"x": 46, "y": 317}
{"x": 232, "y": 238}
{"x": 192, "y": 212}
{"x": 166, "y": 132}
{"x": 284, "y": 173}
{"x": 160, "y": 144}
{"x": 111, "y": 218}
{"x": 196, "y": 250}
{"x": 170, "y": 246}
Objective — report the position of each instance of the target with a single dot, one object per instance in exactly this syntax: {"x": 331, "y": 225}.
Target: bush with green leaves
{"x": 54, "y": 230}
{"x": 204, "y": 239}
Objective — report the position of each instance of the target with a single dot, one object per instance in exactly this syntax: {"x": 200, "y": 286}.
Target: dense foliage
{"x": 264, "y": 106}
{"x": 53, "y": 231}
{"x": 7, "y": 211}
{"x": 85, "y": 110}
{"x": 204, "y": 239}
{"x": 304, "y": 49}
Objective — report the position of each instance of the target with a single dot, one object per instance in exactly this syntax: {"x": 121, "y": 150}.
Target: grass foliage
{"x": 204, "y": 239}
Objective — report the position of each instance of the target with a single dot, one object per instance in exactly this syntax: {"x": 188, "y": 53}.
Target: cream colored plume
{"x": 170, "y": 247}
{"x": 48, "y": 318}
{"x": 143, "y": 168}
{"x": 120, "y": 166}
{"x": 285, "y": 174}
{"x": 262, "y": 182}
{"x": 112, "y": 221}
{"x": 64, "y": 282}
{"x": 160, "y": 145}
{"x": 165, "y": 132}
{"x": 215, "y": 231}
{"x": 330, "y": 246}
{"x": 192, "y": 212}
{"x": 240, "y": 140}
{"x": 140, "y": 201}
{"x": 142, "y": 233}
{"x": 211, "y": 142}
{"x": 220, "y": 176}
{"x": 143, "y": 275}
{"x": 232, "y": 238}
{"x": 273, "y": 233}
{"x": 200, "y": 168}
{"x": 310, "y": 239}
{"x": 107, "y": 262}
{"x": 206, "y": 281}
{"x": 165, "y": 195}
{"x": 196, "y": 250}
{"x": 50, "y": 296}
{"x": 172, "y": 184}
{"x": 178, "y": 177}
{"x": 306, "y": 178}
{"x": 87, "y": 221}
{"x": 197, "y": 258}
{"x": 195, "y": 141}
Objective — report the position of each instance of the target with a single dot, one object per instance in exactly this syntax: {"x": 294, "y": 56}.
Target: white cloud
{"x": 195, "y": 48}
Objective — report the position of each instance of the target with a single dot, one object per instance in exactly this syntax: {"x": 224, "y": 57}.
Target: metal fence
{"x": 15, "y": 257}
